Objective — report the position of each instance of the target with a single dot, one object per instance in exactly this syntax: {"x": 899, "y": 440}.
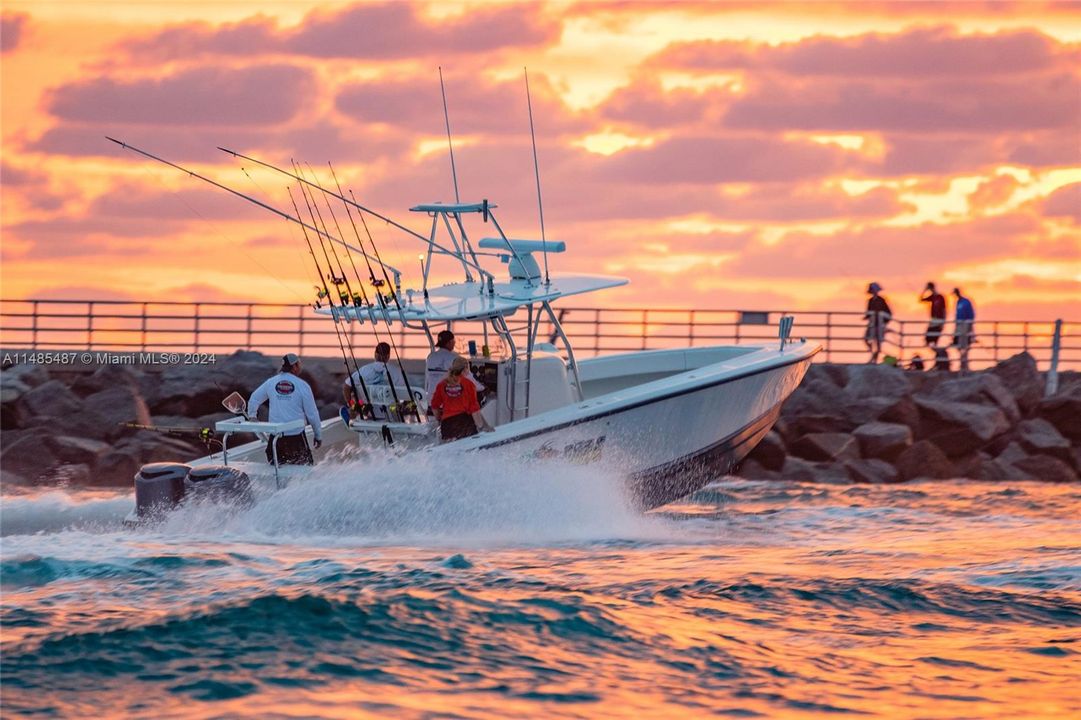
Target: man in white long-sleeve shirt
{"x": 290, "y": 399}
{"x": 375, "y": 374}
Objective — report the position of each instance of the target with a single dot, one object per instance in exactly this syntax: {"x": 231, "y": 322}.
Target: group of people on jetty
{"x": 878, "y": 316}
{"x": 453, "y": 397}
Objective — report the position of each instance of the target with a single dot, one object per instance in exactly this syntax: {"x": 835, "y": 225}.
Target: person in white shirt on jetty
{"x": 374, "y": 374}
{"x": 290, "y": 399}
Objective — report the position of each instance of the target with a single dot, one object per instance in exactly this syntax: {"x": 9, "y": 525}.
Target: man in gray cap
{"x": 290, "y": 399}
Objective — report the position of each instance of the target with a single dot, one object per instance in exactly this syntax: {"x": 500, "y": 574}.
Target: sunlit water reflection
{"x": 396, "y": 594}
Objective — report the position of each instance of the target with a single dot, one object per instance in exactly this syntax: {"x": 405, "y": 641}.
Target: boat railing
{"x": 182, "y": 328}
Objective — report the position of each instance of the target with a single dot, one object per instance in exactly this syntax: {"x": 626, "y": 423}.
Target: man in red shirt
{"x": 455, "y": 405}
{"x": 938, "y": 314}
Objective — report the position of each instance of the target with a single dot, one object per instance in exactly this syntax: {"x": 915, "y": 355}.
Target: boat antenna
{"x": 536, "y": 173}
{"x": 337, "y": 331}
{"x": 446, "y": 117}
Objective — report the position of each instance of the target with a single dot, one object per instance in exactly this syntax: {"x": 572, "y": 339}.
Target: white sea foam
{"x": 449, "y": 498}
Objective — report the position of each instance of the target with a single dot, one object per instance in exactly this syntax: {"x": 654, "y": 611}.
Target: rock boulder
{"x": 1039, "y": 437}
{"x": 1063, "y": 410}
{"x": 872, "y": 471}
{"x": 827, "y": 447}
{"x": 1020, "y": 376}
{"x": 960, "y": 428}
{"x": 924, "y": 459}
{"x": 1046, "y": 468}
{"x": 770, "y": 452}
{"x": 884, "y": 441}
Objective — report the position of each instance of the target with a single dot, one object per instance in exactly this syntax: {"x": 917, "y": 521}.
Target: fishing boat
{"x": 668, "y": 420}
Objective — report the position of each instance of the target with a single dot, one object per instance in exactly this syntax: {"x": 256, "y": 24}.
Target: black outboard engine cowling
{"x": 159, "y": 487}
{"x": 218, "y": 483}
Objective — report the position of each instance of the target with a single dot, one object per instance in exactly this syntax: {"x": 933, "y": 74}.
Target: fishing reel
{"x": 404, "y": 408}
{"x": 362, "y": 411}
{"x": 358, "y": 300}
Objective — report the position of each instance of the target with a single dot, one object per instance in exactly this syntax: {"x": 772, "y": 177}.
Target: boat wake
{"x": 447, "y": 498}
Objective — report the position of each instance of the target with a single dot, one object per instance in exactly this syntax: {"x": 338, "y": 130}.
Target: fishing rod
{"x": 239, "y": 194}
{"x": 376, "y": 283}
{"x": 309, "y": 200}
{"x": 205, "y": 434}
{"x": 333, "y": 216}
{"x": 337, "y": 330}
{"x": 362, "y": 209}
{"x": 342, "y": 277}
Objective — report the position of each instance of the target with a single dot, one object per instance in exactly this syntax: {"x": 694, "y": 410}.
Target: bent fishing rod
{"x": 239, "y": 194}
{"x": 362, "y": 209}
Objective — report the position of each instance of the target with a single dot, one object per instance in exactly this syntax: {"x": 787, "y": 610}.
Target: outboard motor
{"x": 159, "y": 487}
{"x": 218, "y": 483}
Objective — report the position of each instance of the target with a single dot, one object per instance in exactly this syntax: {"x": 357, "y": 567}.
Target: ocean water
{"x": 482, "y": 589}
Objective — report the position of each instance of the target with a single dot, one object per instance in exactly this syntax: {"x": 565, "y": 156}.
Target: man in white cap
{"x": 290, "y": 399}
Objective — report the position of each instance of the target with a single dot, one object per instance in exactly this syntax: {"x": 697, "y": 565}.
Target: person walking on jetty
{"x": 938, "y": 314}
{"x": 878, "y": 315}
{"x": 290, "y": 399}
{"x": 964, "y": 317}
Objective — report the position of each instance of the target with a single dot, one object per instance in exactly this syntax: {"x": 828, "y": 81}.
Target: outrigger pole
{"x": 536, "y": 172}
{"x": 249, "y": 198}
{"x": 450, "y": 145}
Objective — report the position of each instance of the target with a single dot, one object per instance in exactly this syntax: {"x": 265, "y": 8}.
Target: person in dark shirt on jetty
{"x": 455, "y": 404}
{"x": 964, "y": 316}
{"x": 878, "y": 315}
{"x": 938, "y": 314}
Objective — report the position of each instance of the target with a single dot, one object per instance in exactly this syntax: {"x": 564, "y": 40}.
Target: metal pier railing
{"x": 222, "y": 327}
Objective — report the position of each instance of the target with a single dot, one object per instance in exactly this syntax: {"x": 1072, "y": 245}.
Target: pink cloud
{"x": 475, "y": 105}
{"x": 207, "y": 96}
{"x": 12, "y": 29}
{"x": 372, "y": 31}
{"x": 890, "y": 252}
{"x": 918, "y": 53}
{"x": 935, "y": 107}
{"x": 1065, "y": 202}
{"x": 319, "y": 140}
{"x": 729, "y": 159}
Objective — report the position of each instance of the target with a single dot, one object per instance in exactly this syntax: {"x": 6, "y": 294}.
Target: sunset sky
{"x": 721, "y": 155}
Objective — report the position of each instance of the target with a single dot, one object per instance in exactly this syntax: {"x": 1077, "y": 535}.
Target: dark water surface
{"x": 399, "y": 595}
